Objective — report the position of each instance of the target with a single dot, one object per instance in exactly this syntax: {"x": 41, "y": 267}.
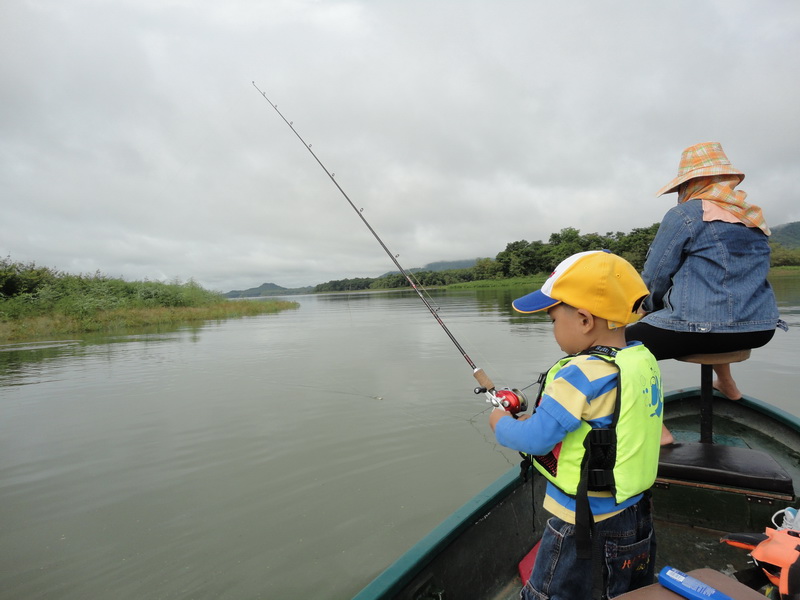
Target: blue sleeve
{"x": 665, "y": 256}
{"x": 536, "y": 435}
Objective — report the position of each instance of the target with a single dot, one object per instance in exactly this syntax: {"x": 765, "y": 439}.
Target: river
{"x": 283, "y": 456}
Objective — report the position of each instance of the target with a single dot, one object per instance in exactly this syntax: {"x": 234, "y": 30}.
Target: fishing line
{"x": 504, "y": 398}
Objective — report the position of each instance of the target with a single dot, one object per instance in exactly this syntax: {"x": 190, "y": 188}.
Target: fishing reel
{"x": 511, "y": 400}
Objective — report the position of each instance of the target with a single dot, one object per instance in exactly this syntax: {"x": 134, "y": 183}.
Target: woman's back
{"x": 708, "y": 275}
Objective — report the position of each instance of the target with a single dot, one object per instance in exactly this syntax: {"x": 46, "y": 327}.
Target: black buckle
{"x": 600, "y": 479}
{"x": 601, "y": 437}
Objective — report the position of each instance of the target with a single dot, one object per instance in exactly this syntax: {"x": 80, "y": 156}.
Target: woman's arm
{"x": 665, "y": 256}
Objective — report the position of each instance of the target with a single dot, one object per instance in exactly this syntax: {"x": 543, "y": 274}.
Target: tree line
{"x": 523, "y": 259}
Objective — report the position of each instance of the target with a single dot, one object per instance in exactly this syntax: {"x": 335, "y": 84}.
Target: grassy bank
{"x": 132, "y": 319}
{"x": 536, "y": 281}
{"x": 37, "y": 302}
{"x": 784, "y": 272}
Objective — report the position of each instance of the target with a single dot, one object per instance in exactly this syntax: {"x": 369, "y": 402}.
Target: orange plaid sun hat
{"x": 701, "y": 160}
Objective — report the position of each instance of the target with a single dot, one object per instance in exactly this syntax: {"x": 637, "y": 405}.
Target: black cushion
{"x": 724, "y": 465}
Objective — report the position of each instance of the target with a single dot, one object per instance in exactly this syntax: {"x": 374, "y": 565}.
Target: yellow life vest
{"x": 622, "y": 458}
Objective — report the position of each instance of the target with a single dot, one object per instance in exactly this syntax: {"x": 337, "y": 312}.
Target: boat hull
{"x": 475, "y": 553}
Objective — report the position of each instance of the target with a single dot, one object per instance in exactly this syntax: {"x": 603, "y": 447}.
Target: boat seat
{"x": 722, "y": 583}
{"x": 707, "y": 362}
{"x": 729, "y": 466}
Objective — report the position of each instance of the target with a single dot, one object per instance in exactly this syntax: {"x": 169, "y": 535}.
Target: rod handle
{"x": 483, "y": 379}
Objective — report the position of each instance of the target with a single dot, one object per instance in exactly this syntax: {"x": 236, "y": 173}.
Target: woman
{"x": 707, "y": 269}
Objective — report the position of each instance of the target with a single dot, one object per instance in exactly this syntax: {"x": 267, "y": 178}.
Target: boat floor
{"x": 679, "y": 546}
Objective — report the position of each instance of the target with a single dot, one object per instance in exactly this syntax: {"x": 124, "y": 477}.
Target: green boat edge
{"x": 400, "y": 573}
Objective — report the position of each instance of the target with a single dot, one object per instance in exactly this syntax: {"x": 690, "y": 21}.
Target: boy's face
{"x": 568, "y": 328}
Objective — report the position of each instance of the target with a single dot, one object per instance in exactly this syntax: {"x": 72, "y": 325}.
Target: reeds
{"x": 130, "y": 319}
{"x": 37, "y": 302}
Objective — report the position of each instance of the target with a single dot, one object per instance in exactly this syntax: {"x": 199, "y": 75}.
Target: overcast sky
{"x": 133, "y": 142}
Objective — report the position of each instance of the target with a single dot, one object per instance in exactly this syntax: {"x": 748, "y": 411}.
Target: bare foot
{"x": 731, "y": 392}
{"x": 666, "y": 436}
{"x": 725, "y": 384}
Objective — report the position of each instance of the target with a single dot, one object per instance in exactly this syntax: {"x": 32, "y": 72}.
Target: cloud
{"x": 133, "y": 142}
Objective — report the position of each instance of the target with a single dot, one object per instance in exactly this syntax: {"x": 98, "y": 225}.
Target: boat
{"x": 734, "y": 465}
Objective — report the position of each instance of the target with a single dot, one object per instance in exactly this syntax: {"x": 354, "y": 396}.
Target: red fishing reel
{"x": 510, "y": 400}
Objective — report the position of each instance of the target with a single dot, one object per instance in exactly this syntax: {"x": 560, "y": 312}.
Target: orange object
{"x": 779, "y": 557}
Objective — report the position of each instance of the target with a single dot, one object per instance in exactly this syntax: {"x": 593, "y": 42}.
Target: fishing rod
{"x": 511, "y": 400}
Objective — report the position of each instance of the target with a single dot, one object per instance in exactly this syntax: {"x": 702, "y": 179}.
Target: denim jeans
{"x": 626, "y": 559}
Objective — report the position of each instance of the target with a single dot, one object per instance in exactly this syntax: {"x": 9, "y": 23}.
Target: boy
{"x": 607, "y": 394}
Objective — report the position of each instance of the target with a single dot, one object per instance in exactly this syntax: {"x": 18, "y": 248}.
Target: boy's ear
{"x": 586, "y": 319}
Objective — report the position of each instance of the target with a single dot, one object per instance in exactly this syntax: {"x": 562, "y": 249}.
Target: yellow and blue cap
{"x": 603, "y": 283}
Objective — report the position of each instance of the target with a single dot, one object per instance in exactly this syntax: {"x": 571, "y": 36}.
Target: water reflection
{"x": 25, "y": 362}
{"x": 787, "y": 292}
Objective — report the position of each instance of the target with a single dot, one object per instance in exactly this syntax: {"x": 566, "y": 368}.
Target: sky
{"x": 134, "y": 143}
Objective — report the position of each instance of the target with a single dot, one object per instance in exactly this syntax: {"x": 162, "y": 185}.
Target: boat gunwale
{"x": 401, "y": 572}
{"x": 760, "y": 406}
{"x": 411, "y": 562}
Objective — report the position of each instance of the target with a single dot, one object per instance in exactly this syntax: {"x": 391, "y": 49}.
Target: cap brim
{"x": 534, "y": 302}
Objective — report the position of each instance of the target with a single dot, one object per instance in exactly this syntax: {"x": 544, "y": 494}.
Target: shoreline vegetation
{"x": 134, "y": 319}
{"x": 523, "y": 259}
{"x": 217, "y": 308}
{"x": 532, "y": 281}
{"x": 39, "y": 302}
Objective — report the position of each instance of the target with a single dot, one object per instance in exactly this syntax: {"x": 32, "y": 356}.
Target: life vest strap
{"x": 600, "y": 479}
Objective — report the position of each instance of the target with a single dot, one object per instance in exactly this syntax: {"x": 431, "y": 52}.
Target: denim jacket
{"x": 708, "y": 276}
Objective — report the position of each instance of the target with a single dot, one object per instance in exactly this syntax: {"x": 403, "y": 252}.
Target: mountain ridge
{"x": 785, "y": 234}
{"x": 267, "y": 289}
{"x": 273, "y": 289}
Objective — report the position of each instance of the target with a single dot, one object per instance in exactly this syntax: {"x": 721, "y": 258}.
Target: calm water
{"x": 284, "y": 456}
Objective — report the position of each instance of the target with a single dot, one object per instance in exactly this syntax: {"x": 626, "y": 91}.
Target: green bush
{"x": 19, "y": 278}
{"x": 29, "y": 291}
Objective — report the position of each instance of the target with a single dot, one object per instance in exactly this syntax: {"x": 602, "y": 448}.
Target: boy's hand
{"x": 496, "y": 415}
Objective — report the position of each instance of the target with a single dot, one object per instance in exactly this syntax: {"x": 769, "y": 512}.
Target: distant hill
{"x": 267, "y": 289}
{"x": 442, "y": 265}
{"x": 787, "y": 235}
{"x": 273, "y": 289}
{"x": 446, "y": 265}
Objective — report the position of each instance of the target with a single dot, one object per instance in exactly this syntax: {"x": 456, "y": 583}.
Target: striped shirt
{"x": 585, "y": 389}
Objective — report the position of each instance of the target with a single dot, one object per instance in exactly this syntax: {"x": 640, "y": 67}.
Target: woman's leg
{"x": 665, "y": 343}
{"x": 725, "y": 383}
{"x": 666, "y": 436}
